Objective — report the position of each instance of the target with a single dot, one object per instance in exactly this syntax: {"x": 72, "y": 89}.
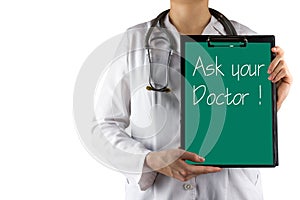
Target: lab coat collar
{"x": 214, "y": 27}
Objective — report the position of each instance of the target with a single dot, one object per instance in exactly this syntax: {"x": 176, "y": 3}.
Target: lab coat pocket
{"x": 252, "y": 175}
{"x": 244, "y": 184}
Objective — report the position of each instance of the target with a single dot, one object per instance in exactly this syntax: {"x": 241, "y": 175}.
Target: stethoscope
{"x": 158, "y": 23}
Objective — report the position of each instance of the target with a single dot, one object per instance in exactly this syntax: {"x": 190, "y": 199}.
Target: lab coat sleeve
{"x": 111, "y": 142}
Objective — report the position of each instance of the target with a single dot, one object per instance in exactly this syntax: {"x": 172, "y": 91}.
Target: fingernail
{"x": 201, "y": 158}
{"x": 269, "y": 71}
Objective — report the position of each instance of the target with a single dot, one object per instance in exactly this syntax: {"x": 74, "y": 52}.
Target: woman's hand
{"x": 172, "y": 163}
{"x": 279, "y": 74}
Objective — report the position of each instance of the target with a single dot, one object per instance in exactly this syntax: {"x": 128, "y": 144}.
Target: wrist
{"x": 148, "y": 159}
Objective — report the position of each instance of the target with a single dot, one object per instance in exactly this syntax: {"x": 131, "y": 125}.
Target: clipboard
{"x": 228, "y": 105}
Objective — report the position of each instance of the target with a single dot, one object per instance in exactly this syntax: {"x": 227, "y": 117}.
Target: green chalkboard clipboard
{"x": 228, "y": 105}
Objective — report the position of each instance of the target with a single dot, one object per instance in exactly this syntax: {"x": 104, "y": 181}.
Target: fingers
{"x": 277, "y": 64}
{"x": 172, "y": 163}
{"x": 183, "y": 171}
{"x": 186, "y": 175}
{"x": 195, "y": 170}
{"x": 278, "y": 50}
{"x": 204, "y": 169}
{"x": 279, "y": 57}
{"x": 188, "y": 171}
{"x": 192, "y": 157}
{"x": 279, "y": 72}
{"x": 177, "y": 170}
{"x": 278, "y": 69}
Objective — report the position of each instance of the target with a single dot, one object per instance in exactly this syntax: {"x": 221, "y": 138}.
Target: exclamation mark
{"x": 259, "y": 94}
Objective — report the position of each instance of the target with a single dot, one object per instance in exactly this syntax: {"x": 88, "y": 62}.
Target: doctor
{"x": 149, "y": 155}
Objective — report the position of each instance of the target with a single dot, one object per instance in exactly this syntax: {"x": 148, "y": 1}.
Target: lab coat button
{"x": 187, "y": 186}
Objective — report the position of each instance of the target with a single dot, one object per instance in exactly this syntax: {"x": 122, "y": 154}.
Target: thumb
{"x": 192, "y": 157}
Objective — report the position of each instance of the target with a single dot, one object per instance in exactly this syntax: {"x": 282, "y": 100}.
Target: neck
{"x": 190, "y": 17}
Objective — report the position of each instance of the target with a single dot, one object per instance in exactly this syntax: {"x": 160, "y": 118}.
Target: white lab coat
{"x": 154, "y": 120}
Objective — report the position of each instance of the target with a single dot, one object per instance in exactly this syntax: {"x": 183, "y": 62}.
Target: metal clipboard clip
{"x": 228, "y": 41}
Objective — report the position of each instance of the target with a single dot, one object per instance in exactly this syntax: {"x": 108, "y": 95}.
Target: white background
{"x": 42, "y": 47}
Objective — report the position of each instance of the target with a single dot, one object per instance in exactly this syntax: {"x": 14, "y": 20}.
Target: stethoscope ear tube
{"x": 159, "y": 24}
{"x": 153, "y": 25}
